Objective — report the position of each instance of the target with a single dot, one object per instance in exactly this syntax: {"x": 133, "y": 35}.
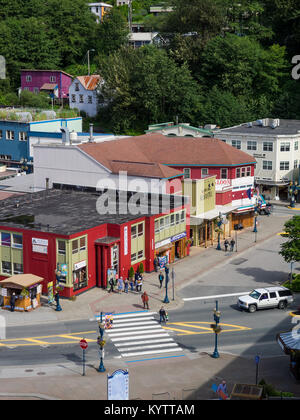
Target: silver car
{"x": 269, "y": 297}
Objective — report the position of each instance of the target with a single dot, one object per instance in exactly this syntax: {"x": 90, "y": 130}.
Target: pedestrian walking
{"x": 232, "y": 243}
{"x": 111, "y": 283}
{"x": 162, "y": 315}
{"x": 222, "y": 391}
{"x": 120, "y": 285}
{"x": 161, "y": 278}
{"x": 145, "y": 299}
{"x": 139, "y": 284}
{"x": 226, "y": 245}
{"x": 155, "y": 263}
{"x": 126, "y": 286}
{"x": 12, "y": 302}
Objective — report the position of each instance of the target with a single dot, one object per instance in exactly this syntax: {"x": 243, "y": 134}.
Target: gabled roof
{"x": 152, "y": 154}
{"x": 89, "y": 82}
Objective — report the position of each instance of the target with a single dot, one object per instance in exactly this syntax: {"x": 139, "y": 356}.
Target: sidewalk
{"x": 187, "y": 270}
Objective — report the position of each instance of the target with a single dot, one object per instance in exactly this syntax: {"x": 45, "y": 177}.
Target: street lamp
{"x": 255, "y": 222}
{"x": 217, "y": 329}
{"x": 293, "y": 191}
{"x": 101, "y": 342}
{"x": 88, "y": 56}
{"x": 166, "y": 299}
{"x": 218, "y": 230}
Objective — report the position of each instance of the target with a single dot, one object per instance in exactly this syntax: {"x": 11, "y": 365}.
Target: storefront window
{"x": 61, "y": 247}
{"x": 5, "y": 239}
{"x": 82, "y": 244}
{"x": 75, "y": 246}
{"x": 18, "y": 268}
{"x": 133, "y": 232}
{"x": 80, "y": 279}
{"x": 6, "y": 267}
{"x": 17, "y": 241}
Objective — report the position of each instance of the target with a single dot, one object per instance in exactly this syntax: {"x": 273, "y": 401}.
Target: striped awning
{"x": 289, "y": 340}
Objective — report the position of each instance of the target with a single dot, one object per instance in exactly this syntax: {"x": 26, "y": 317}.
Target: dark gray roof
{"x": 286, "y": 127}
{"x": 69, "y": 212}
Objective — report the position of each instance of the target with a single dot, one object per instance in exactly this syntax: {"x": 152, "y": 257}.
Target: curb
{"x": 37, "y": 396}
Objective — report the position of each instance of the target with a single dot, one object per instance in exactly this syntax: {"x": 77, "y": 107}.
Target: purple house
{"x": 54, "y": 82}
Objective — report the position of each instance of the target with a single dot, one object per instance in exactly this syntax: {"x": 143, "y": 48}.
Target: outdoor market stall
{"x": 27, "y": 289}
{"x": 290, "y": 344}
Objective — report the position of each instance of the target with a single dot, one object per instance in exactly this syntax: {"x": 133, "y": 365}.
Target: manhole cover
{"x": 238, "y": 261}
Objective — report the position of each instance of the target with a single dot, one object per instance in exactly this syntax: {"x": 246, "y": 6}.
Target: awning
{"x": 21, "y": 281}
{"x": 49, "y": 86}
{"x": 289, "y": 340}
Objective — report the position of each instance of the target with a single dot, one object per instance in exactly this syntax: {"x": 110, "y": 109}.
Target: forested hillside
{"x": 218, "y": 61}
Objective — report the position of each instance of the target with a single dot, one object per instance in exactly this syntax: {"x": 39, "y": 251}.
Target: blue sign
{"x": 257, "y": 359}
{"x": 177, "y": 237}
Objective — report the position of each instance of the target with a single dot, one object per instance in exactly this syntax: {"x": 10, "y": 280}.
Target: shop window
{"x": 133, "y": 232}
{"x": 82, "y": 244}
{"x": 18, "y": 268}
{"x": 80, "y": 279}
{"x": 156, "y": 226}
{"x": 17, "y": 241}
{"x": 75, "y": 247}
{"x": 5, "y": 239}
{"x": 140, "y": 254}
{"x": 162, "y": 224}
{"x": 61, "y": 247}
{"x": 141, "y": 229}
{"x": 172, "y": 219}
{"x": 167, "y": 222}
{"x": 6, "y": 267}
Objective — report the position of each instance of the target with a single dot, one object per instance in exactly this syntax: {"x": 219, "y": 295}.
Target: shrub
{"x": 270, "y": 391}
{"x": 131, "y": 272}
{"x": 141, "y": 268}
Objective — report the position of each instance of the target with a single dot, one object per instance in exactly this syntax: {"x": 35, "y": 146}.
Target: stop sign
{"x": 83, "y": 344}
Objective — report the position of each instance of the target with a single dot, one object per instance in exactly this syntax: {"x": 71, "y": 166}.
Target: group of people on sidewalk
{"x": 227, "y": 243}
{"x": 122, "y": 285}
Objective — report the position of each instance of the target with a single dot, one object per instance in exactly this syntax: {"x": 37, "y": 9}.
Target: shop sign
{"x": 38, "y": 241}
{"x": 177, "y": 237}
{"x": 162, "y": 243}
{"x": 125, "y": 240}
{"x": 79, "y": 265}
{"x": 40, "y": 249}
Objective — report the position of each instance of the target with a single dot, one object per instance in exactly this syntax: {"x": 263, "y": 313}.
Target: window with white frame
{"x": 284, "y": 166}
{"x": 133, "y": 232}
{"x": 36, "y": 90}
{"x": 81, "y": 99}
{"x": 285, "y": 146}
{"x": 236, "y": 143}
{"x": 268, "y": 146}
{"x": 17, "y": 241}
{"x": 157, "y": 226}
{"x": 251, "y": 145}
{"x": 224, "y": 173}
{"x": 204, "y": 172}
{"x": 61, "y": 247}
{"x": 167, "y": 222}
{"x": 267, "y": 165}
{"x": 238, "y": 172}
{"x": 6, "y": 267}
{"x": 73, "y": 98}
{"x": 296, "y": 145}
{"x": 90, "y": 99}
{"x": 248, "y": 171}
{"x": 82, "y": 243}
{"x": 162, "y": 224}
{"x": 22, "y": 136}
{"x": 187, "y": 173}
{"x": 140, "y": 229}
{"x": 10, "y": 135}
{"x": 52, "y": 79}
{"x": 77, "y": 87}
{"x": 18, "y": 268}
{"x": 28, "y": 78}
{"x": 295, "y": 164}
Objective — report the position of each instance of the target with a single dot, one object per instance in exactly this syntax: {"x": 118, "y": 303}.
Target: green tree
{"x": 290, "y": 250}
{"x": 36, "y": 100}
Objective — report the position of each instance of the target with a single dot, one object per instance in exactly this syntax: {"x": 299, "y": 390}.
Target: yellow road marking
{"x": 75, "y": 338}
{"x": 207, "y": 330}
{"x": 176, "y": 329}
{"x": 31, "y": 340}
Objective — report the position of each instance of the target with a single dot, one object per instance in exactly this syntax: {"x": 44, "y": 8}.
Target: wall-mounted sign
{"x": 40, "y": 249}
{"x": 79, "y": 265}
{"x": 162, "y": 243}
{"x": 177, "y": 237}
{"x": 38, "y": 241}
{"x": 125, "y": 240}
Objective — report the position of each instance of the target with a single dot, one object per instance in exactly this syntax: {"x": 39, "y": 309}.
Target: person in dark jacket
{"x": 162, "y": 315}
{"x": 161, "y": 279}
{"x": 155, "y": 263}
{"x": 12, "y": 302}
{"x": 226, "y": 244}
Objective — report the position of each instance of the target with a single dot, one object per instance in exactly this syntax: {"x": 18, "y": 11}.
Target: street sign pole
{"x": 257, "y": 360}
{"x": 84, "y": 345}
{"x": 83, "y": 361}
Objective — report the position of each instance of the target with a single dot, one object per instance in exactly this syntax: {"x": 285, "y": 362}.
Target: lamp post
{"x": 255, "y": 222}
{"x": 101, "y": 342}
{"x": 166, "y": 299}
{"x": 293, "y": 191}
{"x": 217, "y": 329}
{"x": 88, "y": 57}
{"x": 173, "y": 282}
{"x": 218, "y": 230}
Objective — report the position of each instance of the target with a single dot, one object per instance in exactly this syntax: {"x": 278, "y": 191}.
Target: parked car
{"x": 270, "y": 297}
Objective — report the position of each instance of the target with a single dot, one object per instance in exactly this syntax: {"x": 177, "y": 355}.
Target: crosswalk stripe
{"x": 161, "y": 340}
{"x": 129, "y": 324}
{"x": 155, "y": 346}
{"x": 150, "y": 352}
{"x": 118, "y": 331}
{"x": 163, "y": 334}
{"x": 117, "y": 334}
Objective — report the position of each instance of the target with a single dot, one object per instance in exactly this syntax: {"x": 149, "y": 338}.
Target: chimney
{"x": 91, "y": 138}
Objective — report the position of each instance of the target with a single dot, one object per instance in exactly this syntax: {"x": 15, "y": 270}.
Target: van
{"x": 269, "y": 297}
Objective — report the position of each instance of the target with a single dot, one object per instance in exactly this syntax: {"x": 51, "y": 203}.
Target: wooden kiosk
{"x": 27, "y": 288}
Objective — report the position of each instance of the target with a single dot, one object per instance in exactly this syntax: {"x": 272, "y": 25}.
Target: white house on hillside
{"x": 83, "y": 94}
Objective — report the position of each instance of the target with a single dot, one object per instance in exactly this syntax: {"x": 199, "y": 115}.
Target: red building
{"x": 70, "y": 232}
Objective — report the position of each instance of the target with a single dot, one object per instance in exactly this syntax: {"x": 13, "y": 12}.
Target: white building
{"x": 179, "y": 130}
{"x": 275, "y": 144}
{"x": 99, "y": 9}
{"x": 83, "y": 94}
